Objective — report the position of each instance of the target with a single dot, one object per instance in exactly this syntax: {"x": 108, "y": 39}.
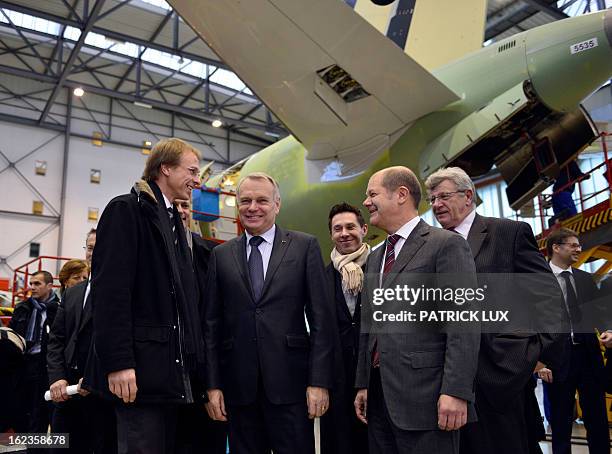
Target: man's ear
{"x": 164, "y": 169}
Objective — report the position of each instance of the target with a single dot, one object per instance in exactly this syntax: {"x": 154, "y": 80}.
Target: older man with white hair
{"x": 506, "y": 362}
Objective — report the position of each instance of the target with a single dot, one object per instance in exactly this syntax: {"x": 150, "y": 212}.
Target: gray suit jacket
{"x": 416, "y": 368}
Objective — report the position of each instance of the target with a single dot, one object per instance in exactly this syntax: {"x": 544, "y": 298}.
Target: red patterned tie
{"x": 389, "y": 261}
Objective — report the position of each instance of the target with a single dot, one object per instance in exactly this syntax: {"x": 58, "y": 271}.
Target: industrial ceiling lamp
{"x": 78, "y": 92}
{"x": 217, "y": 123}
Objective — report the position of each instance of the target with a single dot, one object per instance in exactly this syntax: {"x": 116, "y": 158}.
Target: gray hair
{"x": 260, "y": 176}
{"x": 455, "y": 174}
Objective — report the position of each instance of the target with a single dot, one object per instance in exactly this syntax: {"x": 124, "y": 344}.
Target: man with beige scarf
{"x": 341, "y": 431}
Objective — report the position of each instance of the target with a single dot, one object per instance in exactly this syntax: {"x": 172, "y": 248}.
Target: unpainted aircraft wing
{"x": 337, "y": 83}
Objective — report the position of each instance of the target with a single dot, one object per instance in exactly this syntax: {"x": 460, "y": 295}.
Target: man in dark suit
{"x": 582, "y": 366}
{"x": 89, "y": 420}
{"x": 417, "y": 387}
{"x": 507, "y": 360}
{"x": 341, "y": 431}
{"x": 266, "y": 373}
{"x": 199, "y": 433}
{"x": 31, "y": 320}
{"x": 148, "y": 345}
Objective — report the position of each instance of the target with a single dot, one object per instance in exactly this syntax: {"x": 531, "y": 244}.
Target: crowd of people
{"x": 178, "y": 344}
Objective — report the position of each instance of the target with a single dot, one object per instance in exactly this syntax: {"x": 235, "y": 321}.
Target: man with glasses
{"x": 90, "y": 244}
{"x": 148, "y": 345}
{"x": 582, "y": 366}
{"x": 506, "y": 362}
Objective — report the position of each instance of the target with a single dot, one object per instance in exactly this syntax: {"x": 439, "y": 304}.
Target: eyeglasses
{"x": 88, "y": 248}
{"x": 573, "y": 245}
{"x": 443, "y": 196}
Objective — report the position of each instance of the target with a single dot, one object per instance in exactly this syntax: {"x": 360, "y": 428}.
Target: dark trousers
{"x": 386, "y": 438}
{"x": 36, "y": 411}
{"x": 341, "y": 431}
{"x": 198, "y": 434}
{"x": 146, "y": 429}
{"x": 263, "y": 426}
{"x": 498, "y": 430}
{"x": 91, "y": 423}
{"x": 587, "y": 379}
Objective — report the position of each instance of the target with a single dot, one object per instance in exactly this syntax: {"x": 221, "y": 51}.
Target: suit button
{"x": 177, "y": 361}
{"x": 182, "y": 396}
{"x": 258, "y": 311}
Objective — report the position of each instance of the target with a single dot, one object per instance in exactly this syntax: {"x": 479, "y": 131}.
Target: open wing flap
{"x": 325, "y": 72}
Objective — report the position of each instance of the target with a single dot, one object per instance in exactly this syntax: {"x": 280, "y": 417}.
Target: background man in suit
{"x": 31, "y": 320}
{"x": 147, "y": 330}
{"x": 341, "y": 431}
{"x": 89, "y": 419}
{"x": 90, "y": 244}
{"x": 582, "y": 366}
{"x": 507, "y": 361}
{"x": 261, "y": 360}
{"x": 417, "y": 387}
{"x": 199, "y": 433}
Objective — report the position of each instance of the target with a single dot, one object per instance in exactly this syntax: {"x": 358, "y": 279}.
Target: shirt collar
{"x": 405, "y": 230}
{"x": 167, "y": 201}
{"x": 464, "y": 227}
{"x": 557, "y": 269}
{"x": 268, "y": 235}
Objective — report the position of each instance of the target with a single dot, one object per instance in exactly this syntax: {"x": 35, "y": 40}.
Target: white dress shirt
{"x": 404, "y": 232}
{"x": 265, "y": 248}
{"x": 464, "y": 227}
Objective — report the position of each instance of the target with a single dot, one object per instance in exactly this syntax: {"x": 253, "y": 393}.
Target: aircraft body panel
{"x": 509, "y": 96}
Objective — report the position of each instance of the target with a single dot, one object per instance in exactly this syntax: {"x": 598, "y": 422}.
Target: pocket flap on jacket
{"x": 297, "y": 340}
{"x": 151, "y": 333}
{"x": 420, "y": 360}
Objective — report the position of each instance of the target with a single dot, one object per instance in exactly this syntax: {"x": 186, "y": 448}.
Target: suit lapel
{"x": 335, "y": 280}
{"x": 79, "y": 307}
{"x": 411, "y": 246}
{"x": 239, "y": 252}
{"x": 282, "y": 240}
{"x": 477, "y": 235}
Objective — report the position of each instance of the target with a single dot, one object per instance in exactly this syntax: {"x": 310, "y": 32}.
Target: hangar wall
{"x": 120, "y": 161}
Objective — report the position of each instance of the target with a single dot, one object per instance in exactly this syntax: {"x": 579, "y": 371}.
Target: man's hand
{"x": 538, "y": 367}
{"x": 122, "y": 383}
{"x": 452, "y": 412}
{"x": 215, "y": 407}
{"x": 317, "y": 400}
{"x": 58, "y": 391}
{"x": 361, "y": 405}
{"x": 606, "y": 339}
{"x": 81, "y": 391}
{"x": 546, "y": 375}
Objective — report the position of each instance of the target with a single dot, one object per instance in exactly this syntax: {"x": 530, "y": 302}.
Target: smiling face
{"x": 346, "y": 233}
{"x": 380, "y": 203}
{"x": 182, "y": 206}
{"x": 180, "y": 180}
{"x": 257, "y": 206}
{"x": 566, "y": 252}
{"x": 451, "y": 206}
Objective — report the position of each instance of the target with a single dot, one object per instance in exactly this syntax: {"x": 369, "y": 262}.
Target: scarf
{"x": 349, "y": 267}
{"x": 34, "y": 331}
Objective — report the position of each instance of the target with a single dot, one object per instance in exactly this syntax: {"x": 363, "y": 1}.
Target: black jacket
{"x": 245, "y": 339}
{"x": 70, "y": 336}
{"x": 21, "y": 315}
{"x": 138, "y": 286}
{"x": 348, "y": 327}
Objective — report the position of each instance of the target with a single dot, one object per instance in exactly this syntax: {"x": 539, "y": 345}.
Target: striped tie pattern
{"x": 389, "y": 261}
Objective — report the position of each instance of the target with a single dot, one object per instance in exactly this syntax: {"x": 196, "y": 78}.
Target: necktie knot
{"x": 170, "y": 212}
{"x": 255, "y": 241}
{"x": 392, "y": 239}
{"x": 565, "y": 274}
